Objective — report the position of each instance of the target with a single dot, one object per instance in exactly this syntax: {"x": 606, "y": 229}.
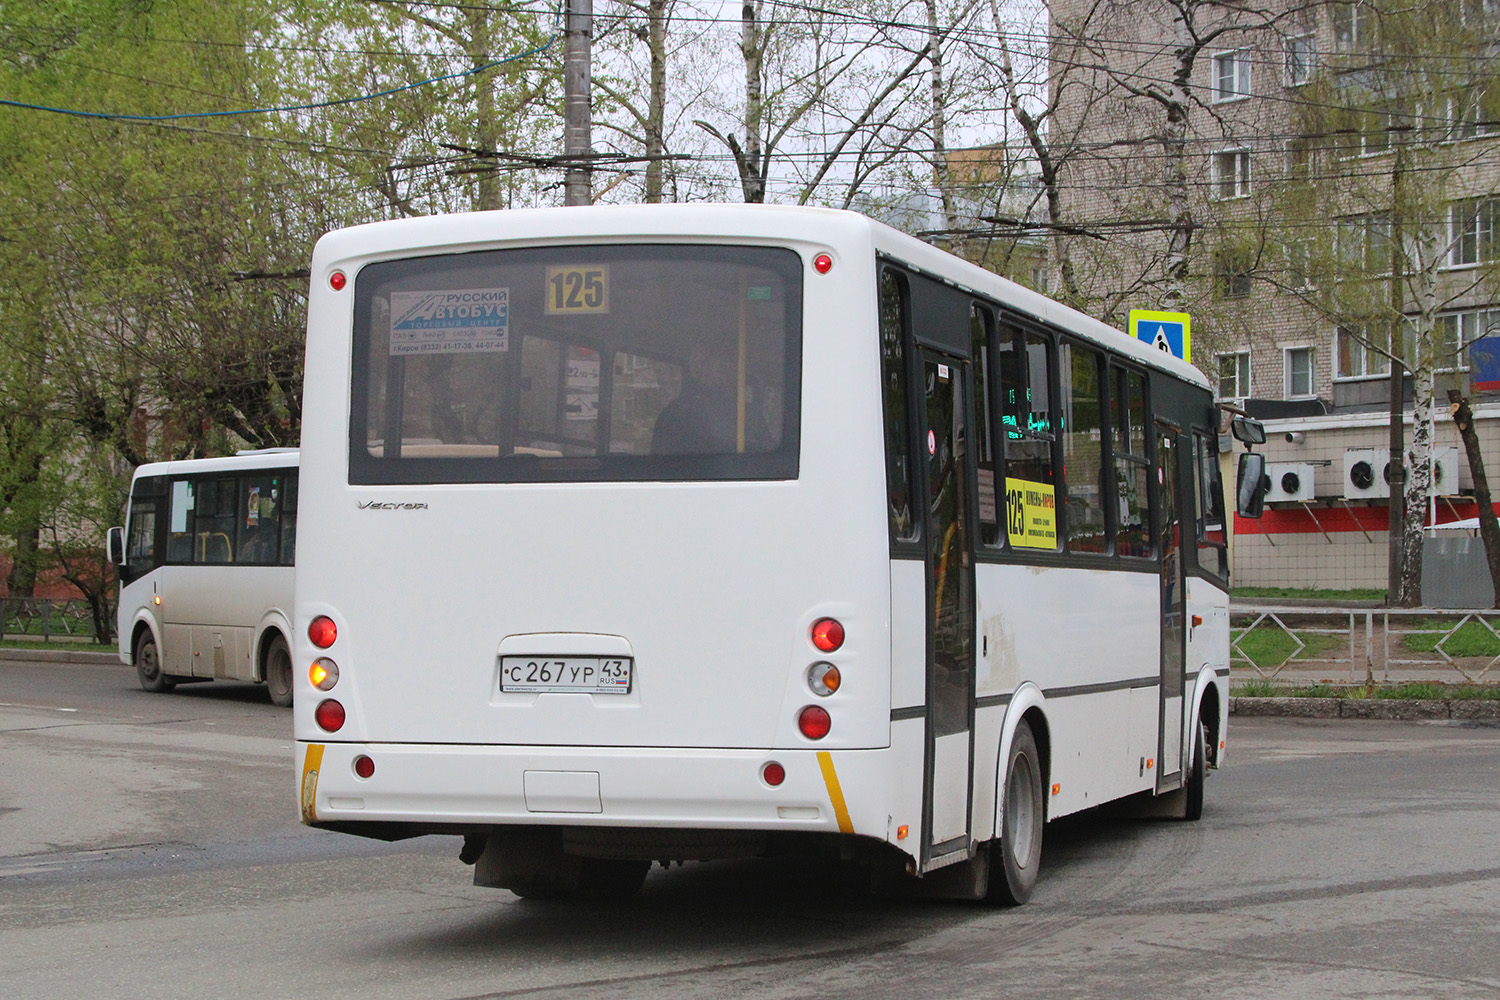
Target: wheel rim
{"x": 150, "y": 669}
{"x": 1020, "y": 810}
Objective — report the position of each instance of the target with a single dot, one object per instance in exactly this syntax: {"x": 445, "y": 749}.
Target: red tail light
{"x": 330, "y": 715}
{"x": 827, "y": 634}
{"x": 322, "y": 631}
{"x": 814, "y": 722}
{"x": 773, "y": 774}
{"x": 364, "y": 766}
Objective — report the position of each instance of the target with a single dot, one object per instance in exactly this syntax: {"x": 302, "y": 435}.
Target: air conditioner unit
{"x": 1445, "y": 472}
{"x": 1367, "y": 473}
{"x": 1290, "y": 481}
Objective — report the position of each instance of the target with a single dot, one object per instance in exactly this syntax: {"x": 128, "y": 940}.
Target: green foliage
{"x": 1330, "y": 597}
{"x": 1268, "y": 645}
{"x": 1471, "y": 639}
{"x": 1391, "y": 692}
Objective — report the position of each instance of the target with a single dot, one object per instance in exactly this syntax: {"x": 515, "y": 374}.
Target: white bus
{"x": 205, "y": 564}
{"x": 704, "y": 531}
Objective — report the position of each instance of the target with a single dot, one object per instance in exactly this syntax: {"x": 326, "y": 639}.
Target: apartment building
{"x": 1312, "y": 182}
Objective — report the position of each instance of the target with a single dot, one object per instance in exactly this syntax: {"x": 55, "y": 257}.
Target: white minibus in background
{"x": 205, "y": 564}
{"x": 707, "y": 531}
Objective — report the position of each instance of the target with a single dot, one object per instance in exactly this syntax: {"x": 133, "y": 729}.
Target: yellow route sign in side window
{"x": 1030, "y": 514}
{"x": 578, "y": 289}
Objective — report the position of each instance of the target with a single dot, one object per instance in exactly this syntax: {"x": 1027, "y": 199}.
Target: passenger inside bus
{"x": 704, "y": 417}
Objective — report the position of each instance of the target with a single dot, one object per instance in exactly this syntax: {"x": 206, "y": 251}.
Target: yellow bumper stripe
{"x": 835, "y": 793}
{"x": 311, "y": 764}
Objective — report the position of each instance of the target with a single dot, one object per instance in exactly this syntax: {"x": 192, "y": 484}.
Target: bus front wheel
{"x": 1193, "y": 790}
{"x": 1020, "y": 843}
{"x": 148, "y": 666}
{"x": 279, "y": 672}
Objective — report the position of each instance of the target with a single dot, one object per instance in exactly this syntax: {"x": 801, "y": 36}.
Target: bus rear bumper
{"x": 450, "y": 787}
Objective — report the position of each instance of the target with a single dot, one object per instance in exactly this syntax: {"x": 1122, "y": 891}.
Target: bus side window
{"x": 1026, "y": 363}
{"x": 289, "y": 521}
{"x": 981, "y": 325}
{"x": 180, "y": 526}
{"x": 140, "y": 548}
{"x": 214, "y": 541}
{"x": 1132, "y": 465}
{"x": 893, "y": 307}
{"x": 1083, "y": 448}
{"x": 1209, "y": 496}
{"x": 258, "y": 515}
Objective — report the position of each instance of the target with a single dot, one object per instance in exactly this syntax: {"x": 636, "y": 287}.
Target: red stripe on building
{"x": 1299, "y": 520}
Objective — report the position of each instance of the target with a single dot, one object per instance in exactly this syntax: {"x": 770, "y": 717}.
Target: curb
{"x": 99, "y": 659}
{"x": 1397, "y": 709}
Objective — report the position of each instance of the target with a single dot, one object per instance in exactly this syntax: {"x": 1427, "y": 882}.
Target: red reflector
{"x": 773, "y": 773}
{"x": 814, "y": 722}
{"x": 337, "y": 281}
{"x": 363, "y": 766}
{"x": 322, "y": 631}
{"x": 827, "y": 634}
{"x": 330, "y": 715}
{"x": 822, "y": 263}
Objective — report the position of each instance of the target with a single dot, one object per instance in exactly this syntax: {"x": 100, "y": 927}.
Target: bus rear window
{"x": 591, "y": 363}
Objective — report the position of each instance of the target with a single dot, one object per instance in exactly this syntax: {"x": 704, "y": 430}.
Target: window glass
{"x": 1025, "y": 362}
{"x": 640, "y": 388}
{"x": 180, "y": 522}
{"x": 1208, "y": 495}
{"x": 980, "y": 323}
{"x": 489, "y": 366}
{"x": 893, "y": 378}
{"x": 258, "y": 517}
{"x": 1132, "y": 468}
{"x": 289, "y": 521}
{"x": 1083, "y": 449}
{"x": 214, "y": 530}
{"x": 140, "y": 547}
{"x": 1299, "y": 372}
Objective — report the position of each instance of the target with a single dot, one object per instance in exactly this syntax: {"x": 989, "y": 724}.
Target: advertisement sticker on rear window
{"x": 453, "y": 321}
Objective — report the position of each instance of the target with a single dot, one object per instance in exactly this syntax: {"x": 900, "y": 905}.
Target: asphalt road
{"x": 149, "y": 847}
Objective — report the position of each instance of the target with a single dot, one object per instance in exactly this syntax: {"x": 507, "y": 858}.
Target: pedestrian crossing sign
{"x": 1169, "y": 332}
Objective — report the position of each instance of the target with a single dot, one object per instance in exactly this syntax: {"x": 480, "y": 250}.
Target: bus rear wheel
{"x": 279, "y": 672}
{"x": 148, "y": 666}
{"x": 1020, "y": 843}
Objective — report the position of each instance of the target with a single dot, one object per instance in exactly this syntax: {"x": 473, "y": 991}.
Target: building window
{"x": 1364, "y": 242}
{"x": 1359, "y": 352}
{"x": 1300, "y": 374}
{"x": 1232, "y": 75}
{"x": 1231, "y": 274}
{"x": 1353, "y": 26}
{"x": 1473, "y": 227}
{"x": 1300, "y": 60}
{"x": 1231, "y": 173}
{"x": 1456, "y": 331}
{"x": 1234, "y": 375}
{"x": 1472, "y": 114}
{"x": 1298, "y": 258}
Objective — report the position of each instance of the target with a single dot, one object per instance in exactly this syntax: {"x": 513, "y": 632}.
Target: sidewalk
{"x": 93, "y": 657}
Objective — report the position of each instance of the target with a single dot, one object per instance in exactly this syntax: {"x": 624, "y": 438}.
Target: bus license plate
{"x": 566, "y": 674}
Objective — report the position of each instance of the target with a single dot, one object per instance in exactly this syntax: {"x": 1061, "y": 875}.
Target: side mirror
{"x": 116, "y": 546}
{"x": 1248, "y": 431}
{"x": 1252, "y": 485}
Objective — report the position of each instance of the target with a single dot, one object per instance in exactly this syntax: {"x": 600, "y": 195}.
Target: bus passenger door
{"x": 1173, "y": 605}
{"x": 950, "y": 607}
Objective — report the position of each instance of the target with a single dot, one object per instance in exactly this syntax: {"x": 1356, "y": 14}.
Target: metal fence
{"x": 49, "y": 620}
{"x": 1365, "y": 645}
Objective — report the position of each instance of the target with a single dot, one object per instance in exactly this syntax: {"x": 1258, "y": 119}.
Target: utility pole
{"x": 578, "y": 143}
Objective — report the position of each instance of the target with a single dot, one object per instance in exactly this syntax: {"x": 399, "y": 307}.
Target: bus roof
{"x": 707, "y": 221}
{"x": 266, "y": 458}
